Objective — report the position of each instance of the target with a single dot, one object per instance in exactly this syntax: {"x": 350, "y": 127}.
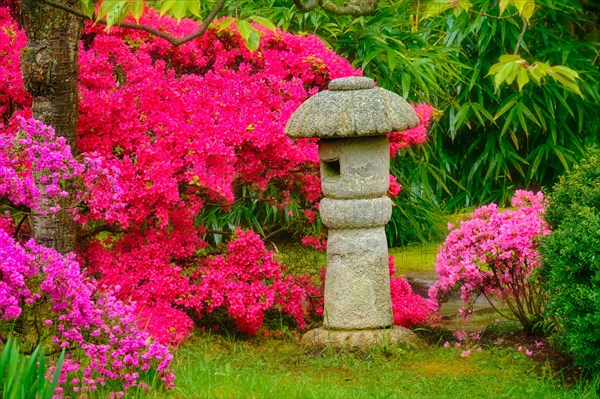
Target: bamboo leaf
{"x": 264, "y": 22}
{"x": 536, "y": 161}
{"x": 538, "y": 71}
{"x": 526, "y": 8}
{"x": 513, "y": 70}
{"x": 508, "y": 105}
{"x": 514, "y": 139}
{"x": 436, "y": 7}
{"x": 137, "y": 9}
{"x": 522, "y": 78}
{"x": 465, "y": 4}
{"x": 521, "y": 118}
{"x": 566, "y": 77}
{"x": 508, "y": 122}
{"x": 528, "y": 113}
{"x": 503, "y": 4}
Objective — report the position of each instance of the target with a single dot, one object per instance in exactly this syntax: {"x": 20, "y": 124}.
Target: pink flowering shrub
{"x": 31, "y": 147}
{"x": 47, "y": 294}
{"x": 100, "y": 330}
{"x": 414, "y": 136}
{"x": 409, "y": 308}
{"x": 246, "y": 281}
{"x": 494, "y": 254}
{"x": 175, "y": 134}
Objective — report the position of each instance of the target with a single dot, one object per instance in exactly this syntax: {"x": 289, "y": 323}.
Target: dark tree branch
{"x": 520, "y": 40}
{"x": 274, "y": 233}
{"x": 5, "y": 201}
{"x": 356, "y": 8}
{"x": 305, "y": 7}
{"x": 175, "y": 41}
{"x": 20, "y": 224}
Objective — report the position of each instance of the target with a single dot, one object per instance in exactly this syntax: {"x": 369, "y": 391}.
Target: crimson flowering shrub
{"x": 187, "y": 130}
{"x": 409, "y": 308}
{"x": 190, "y": 128}
{"x": 494, "y": 254}
{"x": 247, "y": 281}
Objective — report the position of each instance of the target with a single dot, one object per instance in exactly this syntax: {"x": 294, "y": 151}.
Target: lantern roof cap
{"x": 352, "y": 107}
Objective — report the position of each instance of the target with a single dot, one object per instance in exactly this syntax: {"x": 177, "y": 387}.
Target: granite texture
{"x": 352, "y": 107}
{"x": 355, "y": 167}
{"x": 342, "y": 214}
{"x": 357, "y": 284}
{"x": 319, "y": 339}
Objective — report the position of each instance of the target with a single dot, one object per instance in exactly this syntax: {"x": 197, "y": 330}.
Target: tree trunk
{"x": 50, "y": 72}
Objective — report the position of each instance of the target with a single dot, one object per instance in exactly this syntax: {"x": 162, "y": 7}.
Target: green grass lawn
{"x": 214, "y": 366}
{"x": 418, "y": 257}
{"x": 302, "y": 260}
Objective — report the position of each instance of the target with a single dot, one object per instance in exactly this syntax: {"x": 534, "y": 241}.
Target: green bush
{"x": 571, "y": 260}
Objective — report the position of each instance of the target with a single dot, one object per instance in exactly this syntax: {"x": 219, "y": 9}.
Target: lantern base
{"x": 321, "y": 338}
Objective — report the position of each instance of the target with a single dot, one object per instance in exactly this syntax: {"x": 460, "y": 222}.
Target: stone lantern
{"x": 352, "y": 120}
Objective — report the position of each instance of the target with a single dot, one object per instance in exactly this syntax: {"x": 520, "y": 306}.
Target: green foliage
{"x": 266, "y": 213}
{"x": 501, "y": 138}
{"x": 209, "y": 366}
{"x": 517, "y": 123}
{"x": 391, "y": 47}
{"x": 24, "y": 376}
{"x": 571, "y": 256}
{"x": 513, "y": 67}
{"x": 579, "y": 188}
{"x": 489, "y": 141}
{"x": 115, "y": 11}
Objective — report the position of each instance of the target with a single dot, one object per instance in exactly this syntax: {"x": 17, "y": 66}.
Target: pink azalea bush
{"x": 31, "y": 147}
{"x": 173, "y": 134}
{"x": 246, "y": 268}
{"x": 38, "y": 283}
{"x": 494, "y": 254}
{"x": 99, "y": 329}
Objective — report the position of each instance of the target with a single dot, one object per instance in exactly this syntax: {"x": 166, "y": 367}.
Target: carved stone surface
{"x": 352, "y": 107}
{"x": 352, "y": 120}
{"x": 357, "y": 285}
{"x": 355, "y": 214}
{"x": 356, "y": 340}
{"x": 355, "y": 167}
